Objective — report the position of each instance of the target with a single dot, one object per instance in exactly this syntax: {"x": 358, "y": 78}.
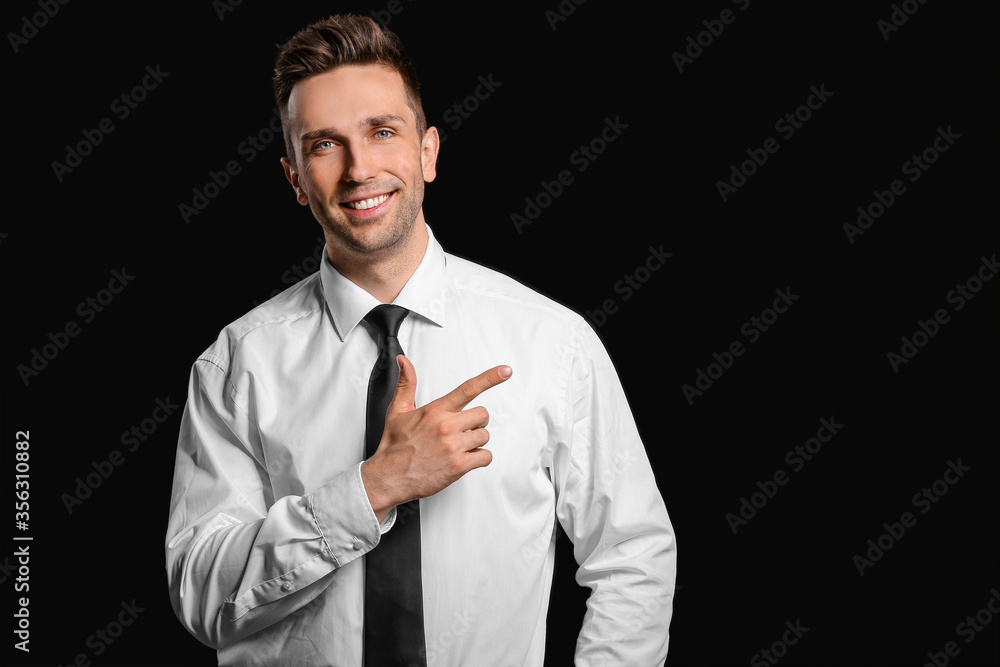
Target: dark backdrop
{"x": 885, "y": 82}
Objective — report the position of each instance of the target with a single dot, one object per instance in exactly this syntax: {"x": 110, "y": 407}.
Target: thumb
{"x": 406, "y": 389}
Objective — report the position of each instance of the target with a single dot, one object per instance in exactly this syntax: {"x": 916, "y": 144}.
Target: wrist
{"x": 378, "y": 495}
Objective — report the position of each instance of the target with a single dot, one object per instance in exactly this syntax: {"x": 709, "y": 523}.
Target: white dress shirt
{"x": 269, "y": 519}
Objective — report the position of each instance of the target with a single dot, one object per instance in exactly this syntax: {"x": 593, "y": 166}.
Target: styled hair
{"x": 343, "y": 39}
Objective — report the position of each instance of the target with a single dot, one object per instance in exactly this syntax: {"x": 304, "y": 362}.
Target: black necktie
{"x": 394, "y": 611}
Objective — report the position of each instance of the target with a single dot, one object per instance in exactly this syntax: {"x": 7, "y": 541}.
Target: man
{"x": 280, "y": 522}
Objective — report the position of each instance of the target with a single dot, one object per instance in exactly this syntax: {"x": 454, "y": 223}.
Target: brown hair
{"x": 341, "y": 40}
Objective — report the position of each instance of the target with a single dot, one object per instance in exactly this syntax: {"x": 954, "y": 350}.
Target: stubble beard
{"x": 390, "y": 233}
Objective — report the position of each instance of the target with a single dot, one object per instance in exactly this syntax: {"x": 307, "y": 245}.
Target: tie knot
{"x": 386, "y": 318}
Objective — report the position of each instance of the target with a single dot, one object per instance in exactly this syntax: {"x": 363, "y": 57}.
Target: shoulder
{"x": 491, "y": 289}
{"x": 268, "y": 323}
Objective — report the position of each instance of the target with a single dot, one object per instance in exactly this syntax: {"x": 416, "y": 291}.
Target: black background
{"x": 826, "y": 357}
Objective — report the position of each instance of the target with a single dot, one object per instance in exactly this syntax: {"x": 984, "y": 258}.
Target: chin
{"x": 369, "y": 236}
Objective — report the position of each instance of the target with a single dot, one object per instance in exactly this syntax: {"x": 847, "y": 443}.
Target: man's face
{"x": 360, "y": 164}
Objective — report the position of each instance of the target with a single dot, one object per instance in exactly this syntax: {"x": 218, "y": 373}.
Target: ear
{"x": 428, "y": 153}
{"x": 292, "y": 174}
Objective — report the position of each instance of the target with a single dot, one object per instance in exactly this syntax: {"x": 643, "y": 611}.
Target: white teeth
{"x": 367, "y": 203}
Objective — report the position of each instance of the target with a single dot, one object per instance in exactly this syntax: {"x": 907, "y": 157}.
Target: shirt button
{"x": 357, "y": 544}
{"x": 287, "y": 586}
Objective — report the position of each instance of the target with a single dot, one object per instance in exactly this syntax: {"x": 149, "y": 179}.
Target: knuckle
{"x": 469, "y": 390}
{"x": 455, "y": 468}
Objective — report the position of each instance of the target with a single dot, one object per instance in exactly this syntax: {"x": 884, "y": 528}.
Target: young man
{"x": 300, "y": 533}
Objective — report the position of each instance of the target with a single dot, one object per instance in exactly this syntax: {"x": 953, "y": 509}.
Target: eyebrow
{"x": 370, "y": 121}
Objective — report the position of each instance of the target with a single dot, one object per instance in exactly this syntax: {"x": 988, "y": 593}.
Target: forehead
{"x": 345, "y": 95}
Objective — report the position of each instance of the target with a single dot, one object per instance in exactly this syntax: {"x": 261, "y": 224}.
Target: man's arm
{"x": 610, "y": 507}
{"x": 238, "y": 559}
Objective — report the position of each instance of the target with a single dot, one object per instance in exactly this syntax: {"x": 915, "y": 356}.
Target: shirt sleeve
{"x": 238, "y": 559}
{"x": 610, "y": 507}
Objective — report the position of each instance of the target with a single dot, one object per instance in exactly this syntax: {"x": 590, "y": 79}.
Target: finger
{"x": 459, "y": 397}
{"x": 476, "y": 417}
{"x": 476, "y": 438}
{"x": 406, "y": 389}
{"x": 478, "y": 458}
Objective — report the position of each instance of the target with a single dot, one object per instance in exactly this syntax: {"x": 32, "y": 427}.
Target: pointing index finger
{"x": 463, "y": 394}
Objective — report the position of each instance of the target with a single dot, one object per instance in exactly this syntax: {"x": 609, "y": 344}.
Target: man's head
{"x": 359, "y": 150}
{"x": 335, "y": 41}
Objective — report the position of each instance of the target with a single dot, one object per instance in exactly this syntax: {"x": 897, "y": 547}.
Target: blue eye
{"x": 386, "y": 133}
{"x": 321, "y": 144}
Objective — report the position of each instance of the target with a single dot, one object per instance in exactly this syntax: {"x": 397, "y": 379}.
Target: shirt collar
{"x": 425, "y": 293}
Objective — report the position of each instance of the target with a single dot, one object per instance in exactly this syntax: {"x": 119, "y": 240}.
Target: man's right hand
{"x": 423, "y": 450}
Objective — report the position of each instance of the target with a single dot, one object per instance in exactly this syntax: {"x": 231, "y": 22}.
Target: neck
{"x": 382, "y": 274}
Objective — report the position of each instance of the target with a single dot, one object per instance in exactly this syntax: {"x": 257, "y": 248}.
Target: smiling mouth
{"x": 365, "y": 204}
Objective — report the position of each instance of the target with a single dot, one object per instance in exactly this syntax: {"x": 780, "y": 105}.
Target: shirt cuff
{"x": 345, "y": 517}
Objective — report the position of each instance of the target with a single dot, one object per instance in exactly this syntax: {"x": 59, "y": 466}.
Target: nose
{"x": 359, "y": 163}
